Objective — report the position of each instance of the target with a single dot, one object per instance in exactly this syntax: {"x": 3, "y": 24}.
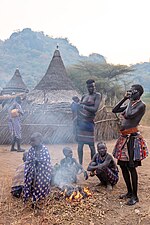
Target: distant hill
{"x": 141, "y": 74}
{"x": 32, "y": 51}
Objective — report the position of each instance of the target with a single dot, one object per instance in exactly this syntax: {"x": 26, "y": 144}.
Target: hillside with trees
{"x": 111, "y": 80}
{"x": 142, "y": 74}
{"x": 32, "y": 52}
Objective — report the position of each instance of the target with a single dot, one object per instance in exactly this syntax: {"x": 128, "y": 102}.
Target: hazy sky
{"x": 117, "y": 29}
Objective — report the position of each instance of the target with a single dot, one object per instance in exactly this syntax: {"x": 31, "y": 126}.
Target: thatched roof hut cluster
{"x": 47, "y": 107}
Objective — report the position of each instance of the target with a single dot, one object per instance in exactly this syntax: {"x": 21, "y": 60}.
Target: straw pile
{"x": 106, "y": 124}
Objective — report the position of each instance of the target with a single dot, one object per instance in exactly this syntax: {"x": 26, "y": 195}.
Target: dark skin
{"x": 94, "y": 97}
{"x": 102, "y": 151}
{"x": 36, "y": 142}
{"x": 132, "y": 115}
{"x": 133, "y": 112}
{"x": 68, "y": 158}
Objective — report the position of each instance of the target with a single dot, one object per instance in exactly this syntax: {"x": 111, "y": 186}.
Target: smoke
{"x": 64, "y": 175}
{"x": 53, "y": 121}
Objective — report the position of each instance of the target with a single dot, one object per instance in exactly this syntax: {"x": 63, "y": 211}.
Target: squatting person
{"x": 104, "y": 167}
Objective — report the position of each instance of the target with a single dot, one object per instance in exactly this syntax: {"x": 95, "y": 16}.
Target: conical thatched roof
{"x": 15, "y": 85}
{"x": 56, "y": 76}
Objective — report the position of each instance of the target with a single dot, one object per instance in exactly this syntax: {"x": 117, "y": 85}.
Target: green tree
{"x": 110, "y": 79}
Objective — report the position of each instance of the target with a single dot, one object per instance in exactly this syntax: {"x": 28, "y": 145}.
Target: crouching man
{"x": 104, "y": 167}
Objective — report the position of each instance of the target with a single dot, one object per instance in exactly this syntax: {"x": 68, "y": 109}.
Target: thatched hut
{"x": 55, "y": 86}
{"x": 47, "y": 110}
{"x": 47, "y": 107}
{"x": 15, "y": 85}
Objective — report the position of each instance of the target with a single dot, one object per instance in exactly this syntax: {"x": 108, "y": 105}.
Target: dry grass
{"x": 102, "y": 208}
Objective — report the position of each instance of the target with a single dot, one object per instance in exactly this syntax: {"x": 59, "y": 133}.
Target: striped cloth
{"x": 85, "y": 127}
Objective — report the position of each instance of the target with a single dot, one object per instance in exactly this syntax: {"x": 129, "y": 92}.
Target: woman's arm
{"x": 90, "y": 167}
{"x": 96, "y": 105}
{"x": 119, "y": 108}
{"x": 106, "y": 162}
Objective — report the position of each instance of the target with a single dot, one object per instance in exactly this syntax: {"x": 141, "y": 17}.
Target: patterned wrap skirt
{"x": 130, "y": 148}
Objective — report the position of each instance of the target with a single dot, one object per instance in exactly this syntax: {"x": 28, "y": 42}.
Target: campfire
{"x": 71, "y": 193}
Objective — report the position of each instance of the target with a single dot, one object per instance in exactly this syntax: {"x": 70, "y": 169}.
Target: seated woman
{"x": 66, "y": 172}
{"x": 37, "y": 174}
{"x": 104, "y": 167}
{"x": 18, "y": 180}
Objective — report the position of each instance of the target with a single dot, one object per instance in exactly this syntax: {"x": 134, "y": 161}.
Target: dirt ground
{"x": 102, "y": 208}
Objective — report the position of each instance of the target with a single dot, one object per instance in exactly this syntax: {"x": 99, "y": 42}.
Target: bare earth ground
{"x": 102, "y": 208}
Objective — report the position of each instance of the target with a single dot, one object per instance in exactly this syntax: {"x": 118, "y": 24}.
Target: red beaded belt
{"x": 129, "y": 131}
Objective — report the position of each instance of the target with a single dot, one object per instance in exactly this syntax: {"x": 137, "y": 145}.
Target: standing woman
{"x": 15, "y": 112}
{"x": 130, "y": 148}
{"x": 87, "y": 109}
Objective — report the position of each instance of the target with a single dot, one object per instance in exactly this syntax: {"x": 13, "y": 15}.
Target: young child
{"x": 37, "y": 174}
{"x": 104, "y": 167}
{"x": 68, "y": 169}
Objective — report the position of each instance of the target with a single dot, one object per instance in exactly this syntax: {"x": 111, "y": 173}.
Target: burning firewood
{"x": 71, "y": 193}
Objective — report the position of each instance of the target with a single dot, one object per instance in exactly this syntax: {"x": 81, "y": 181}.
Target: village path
{"x": 101, "y": 208}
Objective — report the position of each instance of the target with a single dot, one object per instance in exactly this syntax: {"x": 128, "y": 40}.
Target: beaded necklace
{"x": 135, "y": 102}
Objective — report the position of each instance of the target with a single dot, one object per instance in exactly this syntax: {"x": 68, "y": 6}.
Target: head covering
{"x": 37, "y": 135}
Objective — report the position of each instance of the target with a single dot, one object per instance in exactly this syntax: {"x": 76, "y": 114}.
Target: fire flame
{"x": 87, "y": 191}
{"x": 77, "y": 195}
